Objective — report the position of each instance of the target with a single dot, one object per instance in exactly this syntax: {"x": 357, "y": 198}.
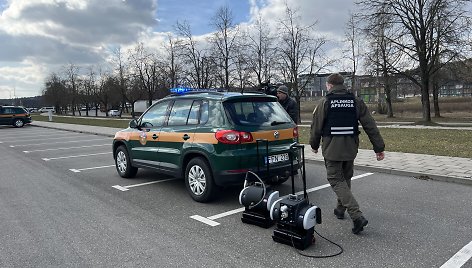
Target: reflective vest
{"x": 341, "y": 117}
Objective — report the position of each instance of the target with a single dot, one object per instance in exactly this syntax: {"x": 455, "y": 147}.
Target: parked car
{"x": 212, "y": 139}
{"x": 114, "y": 113}
{"x": 47, "y": 109}
{"x": 14, "y": 115}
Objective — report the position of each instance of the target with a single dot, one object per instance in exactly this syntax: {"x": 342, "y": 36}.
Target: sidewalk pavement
{"x": 420, "y": 166}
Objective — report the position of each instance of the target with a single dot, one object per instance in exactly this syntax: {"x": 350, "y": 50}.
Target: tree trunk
{"x": 437, "y": 114}
{"x": 388, "y": 99}
{"x": 388, "y": 94}
{"x": 379, "y": 101}
{"x": 425, "y": 100}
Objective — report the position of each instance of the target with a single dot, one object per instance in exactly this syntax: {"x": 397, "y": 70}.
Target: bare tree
{"x": 299, "y": 52}
{"x": 172, "y": 67}
{"x": 224, "y": 41}
{"x": 121, "y": 69}
{"x": 146, "y": 68}
{"x": 352, "y": 34}
{"x": 383, "y": 57}
{"x": 134, "y": 92}
{"x": 72, "y": 73}
{"x": 54, "y": 91}
{"x": 428, "y": 32}
{"x": 89, "y": 89}
{"x": 261, "y": 51}
{"x": 191, "y": 54}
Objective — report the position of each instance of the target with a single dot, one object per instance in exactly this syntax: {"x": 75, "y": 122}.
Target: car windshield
{"x": 257, "y": 112}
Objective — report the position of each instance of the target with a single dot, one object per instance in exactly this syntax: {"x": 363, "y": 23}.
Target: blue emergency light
{"x": 183, "y": 90}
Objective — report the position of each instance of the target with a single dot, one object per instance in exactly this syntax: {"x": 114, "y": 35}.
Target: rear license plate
{"x": 276, "y": 158}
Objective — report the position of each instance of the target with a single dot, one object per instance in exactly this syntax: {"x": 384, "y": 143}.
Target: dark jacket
{"x": 343, "y": 148}
{"x": 290, "y": 105}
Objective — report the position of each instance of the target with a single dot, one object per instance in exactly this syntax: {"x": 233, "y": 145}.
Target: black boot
{"x": 359, "y": 225}
{"x": 339, "y": 213}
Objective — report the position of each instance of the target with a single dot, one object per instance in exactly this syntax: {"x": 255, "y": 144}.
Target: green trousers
{"x": 339, "y": 174}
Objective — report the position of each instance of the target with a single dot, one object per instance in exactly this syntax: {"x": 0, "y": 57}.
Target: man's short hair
{"x": 335, "y": 79}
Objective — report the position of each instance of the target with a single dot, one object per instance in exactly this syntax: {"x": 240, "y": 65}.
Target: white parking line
{"x": 33, "y": 135}
{"x": 82, "y": 169}
{"x": 126, "y": 188}
{"x": 49, "y": 143}
{"x": 66, "y": 148}
{"x": 460, "y": 258}
{"x": 47, "y": 135}
{"x": 209, "y": 220}
{"x": 205, "y": 220}
{"x": 73, "y": 156}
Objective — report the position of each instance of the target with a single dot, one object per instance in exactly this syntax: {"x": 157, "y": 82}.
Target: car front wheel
{"x": 18, "y": 123}
{"x": 199, "y": 180}
{"x": 123, "y": 163}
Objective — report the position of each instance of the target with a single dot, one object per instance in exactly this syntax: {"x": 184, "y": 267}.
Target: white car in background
{"x": 114, "y": 113}
{"x": 47, "y": 109}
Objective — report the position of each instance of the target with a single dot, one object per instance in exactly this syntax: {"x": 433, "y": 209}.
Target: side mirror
{"x": 133, "y": 123}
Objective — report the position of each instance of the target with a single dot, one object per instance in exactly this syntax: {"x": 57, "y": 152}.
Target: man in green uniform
{"x": 335, "y": 122}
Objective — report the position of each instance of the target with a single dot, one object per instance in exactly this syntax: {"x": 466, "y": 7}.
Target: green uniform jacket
{"x": 343, "y": 148}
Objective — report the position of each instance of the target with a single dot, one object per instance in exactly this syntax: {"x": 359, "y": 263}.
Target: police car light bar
{"x": 182, "y": 90}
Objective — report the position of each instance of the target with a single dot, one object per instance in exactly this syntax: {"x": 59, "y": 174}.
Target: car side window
{"x": 204, "y": 113}
{"x": 179, "y": 112}
{"x": 8, "y": 110}
{"x": 19, "y": 111}
{"x": 155, "y": 116}
{"x": 194, "y": 113}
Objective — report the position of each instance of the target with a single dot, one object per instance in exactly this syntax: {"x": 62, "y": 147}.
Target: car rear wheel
{"x": 18, "y": 123}
{"x": 199, "y": 180}
{"x": 123, "y": 163}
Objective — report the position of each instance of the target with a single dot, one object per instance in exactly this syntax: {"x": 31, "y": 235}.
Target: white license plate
{"x": 277, "y": 158}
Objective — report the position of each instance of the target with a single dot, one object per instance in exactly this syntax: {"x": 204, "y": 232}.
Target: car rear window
{"x": 256, "y": 112}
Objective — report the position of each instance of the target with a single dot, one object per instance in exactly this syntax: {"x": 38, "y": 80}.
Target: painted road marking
{"x": 126, "y": 188}
{"x": 66, "y": 148}
{"x": 49, "y": 143}
{"x": 234, "y": 211}
{"x": 460, "y": 258}
{"x": 34, "y": 136}
{"x": 60, "y": 136}
{"x": 205, "y": 220}
{"x": 73, "y": 156}
{"x": 82, "y": 169}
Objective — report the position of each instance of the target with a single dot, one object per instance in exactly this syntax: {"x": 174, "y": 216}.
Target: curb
{"x": 77, "y": 131}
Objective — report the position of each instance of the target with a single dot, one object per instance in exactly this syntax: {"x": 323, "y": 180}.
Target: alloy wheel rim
{"x": 197, "y": 180}
{"x": 121, "y": 161}
{"x": 18, "y": 123}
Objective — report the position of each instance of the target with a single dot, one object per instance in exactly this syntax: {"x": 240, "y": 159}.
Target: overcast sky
{"x": 38, "y": 37}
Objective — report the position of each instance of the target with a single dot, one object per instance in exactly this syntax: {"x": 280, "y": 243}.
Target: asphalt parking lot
{"x": 62, "y": 203}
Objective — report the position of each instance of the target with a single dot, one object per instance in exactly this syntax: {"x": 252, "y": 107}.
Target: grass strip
{"x": 444, "y": 142}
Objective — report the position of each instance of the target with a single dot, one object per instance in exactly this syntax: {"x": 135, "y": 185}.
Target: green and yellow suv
{"x": 14, "y": 115}
{"x": 211, "y": 139}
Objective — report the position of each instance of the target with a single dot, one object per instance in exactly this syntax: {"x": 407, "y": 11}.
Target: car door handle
{"x": 186, "y": 137}
{"x": 154, "y": 136}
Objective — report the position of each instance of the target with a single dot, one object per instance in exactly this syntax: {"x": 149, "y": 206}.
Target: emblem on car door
{"x": 276, "y": 134}
{"x": 142, "y": 137}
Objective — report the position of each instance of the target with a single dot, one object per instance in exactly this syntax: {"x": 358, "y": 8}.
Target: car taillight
{"x": 295, "y": 132}
{"x": 233, "y": 136}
